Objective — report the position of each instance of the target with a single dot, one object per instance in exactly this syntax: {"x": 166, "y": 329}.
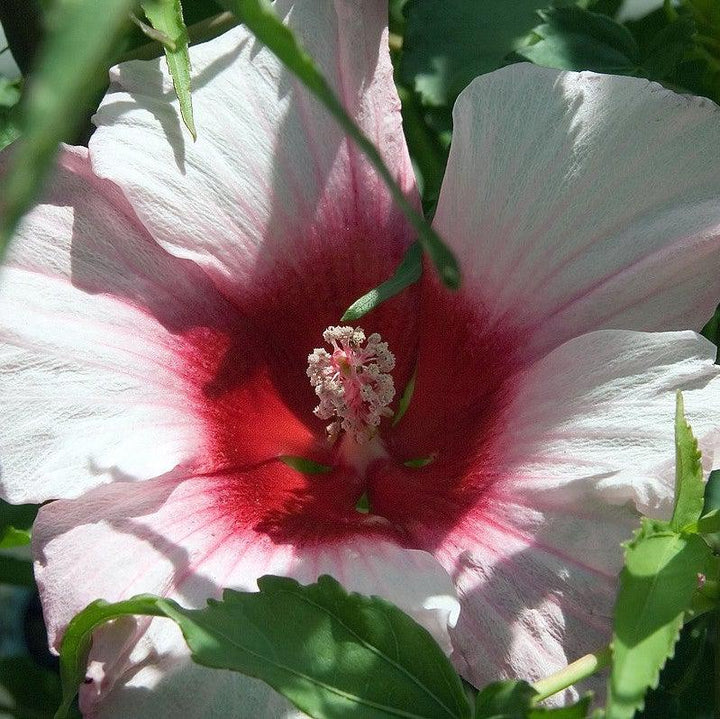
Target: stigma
{"x": 353, "y": 383}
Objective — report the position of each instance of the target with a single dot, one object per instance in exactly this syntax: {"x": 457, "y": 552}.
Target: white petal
{"x": 578, "y": 202}
{"x": 90, "y": 314}
{"x": 165, "y": 683}
{"x": 597, "y": 416}
{"x": 537, "y": 586}
{"x": 271, "y": 180}
{"x": 588, "y": 437}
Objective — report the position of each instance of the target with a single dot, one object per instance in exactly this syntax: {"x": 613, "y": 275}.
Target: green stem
{"x": 573, "y": 673}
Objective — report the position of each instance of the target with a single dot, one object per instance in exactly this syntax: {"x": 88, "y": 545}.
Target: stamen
{"x": 353, "y": 383}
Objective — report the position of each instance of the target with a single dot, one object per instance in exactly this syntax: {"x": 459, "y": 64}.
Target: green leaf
{"x": 428, "y": 132}
{"x": 260, "y": 18}
{"x": 15, "y": 523}
{"x": 68, "y": 72}
{"x": 572, "y": 38}
{"x": 331, "y": 653}
{"x": 9, "y": 92}
{"x": 34, "y": 690}
{"x": 13, "y": 537}
{"x": 327, "y": 651}
{"x": 687, "y": 681}
{"x": 711, "y": 330}
{"x": 516, "y": 700}
{"x": 689, "y": 485}
{"x": 656, "y": 588}
{"x": 580, "y": 710}
{"x": 408, "y": 272}
{"x": 668, "y": 48}
{"x": 505, "y": 700}
{"x": 9, "y": 97}
{"x": 708, "y": 523}
{"x": 78, "y": 636}
{"x": 166, "y": 16}
{"x": 16, "y": 571}
{"x": 449, "y": 42}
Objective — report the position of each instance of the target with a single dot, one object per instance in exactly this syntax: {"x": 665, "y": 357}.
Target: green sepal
{"x": 167, "y": 18}
{"x": 407, "y": 273}
{"x": 306, "y": 466}
{"x": 419, "y": 462}
{"x": 405, "y": 398}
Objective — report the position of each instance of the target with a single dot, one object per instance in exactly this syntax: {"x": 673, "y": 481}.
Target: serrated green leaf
{"x": 687, "y": 681}
{"x": 261, "y": 19}
{"x": 572, "y": 38}
{"x": 668, "y": 48}
{"x": 408, "y": 272}
{"x": 331, "y": 653}
{"x": 324, "y": 649}
{"x": 428, "y": 132}
{"x": 447, "y": 43}
{"x": 656, "y": 588}
{"x": 689, "y": 485}
{"x": 166, "y": 16}
{"x": 67, "y": 74}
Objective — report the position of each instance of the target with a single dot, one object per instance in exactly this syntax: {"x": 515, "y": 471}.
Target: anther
{"x": 353, "y": 383}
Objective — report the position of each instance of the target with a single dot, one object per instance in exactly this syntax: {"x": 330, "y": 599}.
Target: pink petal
{"x": 578, "y": 202}
{"x": 122, "y": 361}
{"x": 188, "y": 539}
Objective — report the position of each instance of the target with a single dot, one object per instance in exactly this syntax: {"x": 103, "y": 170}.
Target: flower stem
{"x": 573, "y": 673}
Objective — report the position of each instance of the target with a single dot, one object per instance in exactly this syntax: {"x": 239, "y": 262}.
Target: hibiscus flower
{"x": 160, "y": 306}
